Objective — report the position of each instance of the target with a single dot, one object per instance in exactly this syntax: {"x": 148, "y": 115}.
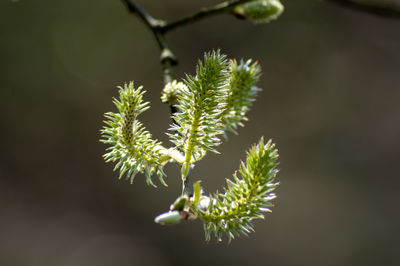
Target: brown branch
{"x": 160, "y": 27}
{"x": 221, "y": 8}
{"x": 167, "y": 58}
{"x": 377, "y": 7}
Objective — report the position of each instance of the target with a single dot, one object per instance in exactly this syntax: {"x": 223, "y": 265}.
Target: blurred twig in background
{"x": 390, "y": 9}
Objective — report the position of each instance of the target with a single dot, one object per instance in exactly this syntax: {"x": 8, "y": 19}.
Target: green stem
{"x": 189, "y": 147}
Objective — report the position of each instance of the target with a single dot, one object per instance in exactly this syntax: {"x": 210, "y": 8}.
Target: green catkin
{"x": 209, "y": 104}
{"x": 131, "y": 146}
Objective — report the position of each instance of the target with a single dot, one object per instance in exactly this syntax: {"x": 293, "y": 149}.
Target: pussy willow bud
{"x": 169, "y": 218}
{"x": 259, "y": 11}
{"x": 171, "y": 91}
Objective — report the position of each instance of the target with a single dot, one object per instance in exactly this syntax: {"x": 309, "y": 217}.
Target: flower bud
{"x": 169, "y": 218}
{"x": 259, "y": 11}
{"x": 171, "y": 91}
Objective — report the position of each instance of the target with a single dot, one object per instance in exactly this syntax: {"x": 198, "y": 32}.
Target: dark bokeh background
{"x": 331, "y": 80}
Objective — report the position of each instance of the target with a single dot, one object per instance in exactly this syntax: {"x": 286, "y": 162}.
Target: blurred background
{"x": 330, "y": 100}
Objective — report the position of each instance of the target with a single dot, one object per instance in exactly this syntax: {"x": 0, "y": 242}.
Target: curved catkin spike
{"x": 246, "y": 198}
{"x": 131, "y": 146}
{"x": 241, "y": 93}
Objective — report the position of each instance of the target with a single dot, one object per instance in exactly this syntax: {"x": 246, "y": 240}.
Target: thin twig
{"x": 134, "y": 7}
{"x": 161, "y": 27}
{"x": 167, "y": 58}
{"x": 378, "y": 7}
{"x": 221, "y": 8}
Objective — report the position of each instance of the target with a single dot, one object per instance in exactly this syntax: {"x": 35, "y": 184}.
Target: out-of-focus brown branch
{"x": 376, "y": 7}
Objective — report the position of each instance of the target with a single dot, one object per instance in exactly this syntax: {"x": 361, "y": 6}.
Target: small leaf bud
{"x": 259, "y": 11}
{"x": 171, "y": 91}
{"x": 169, "y": 218}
